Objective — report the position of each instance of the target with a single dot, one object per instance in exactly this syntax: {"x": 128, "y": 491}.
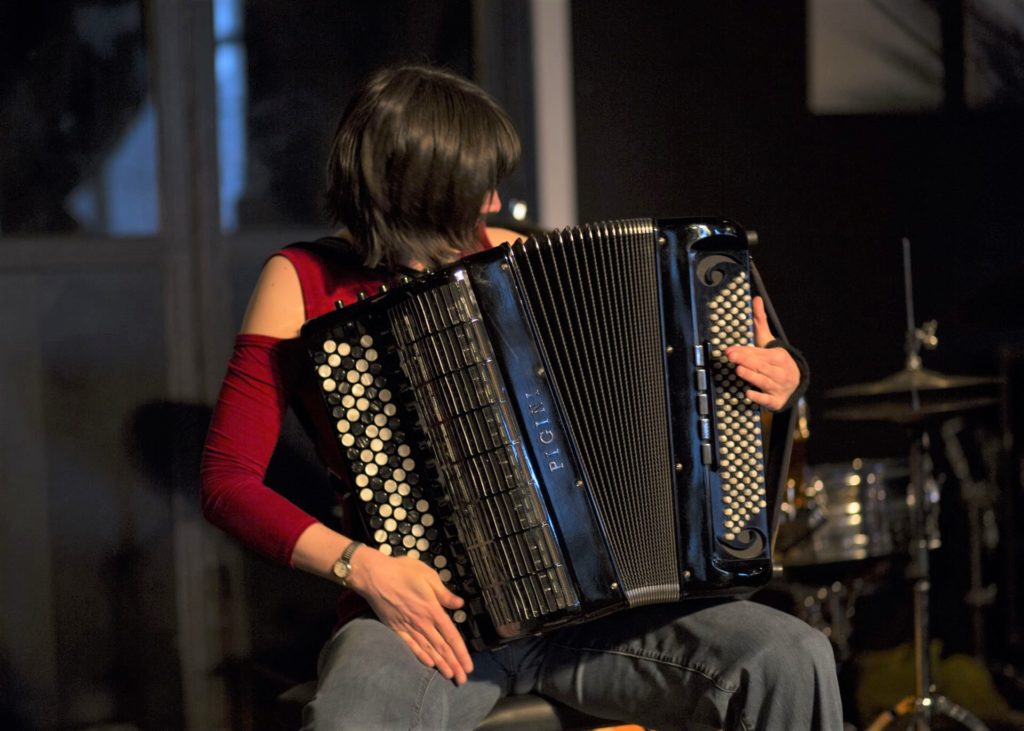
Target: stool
{"x": 513, "y": 713}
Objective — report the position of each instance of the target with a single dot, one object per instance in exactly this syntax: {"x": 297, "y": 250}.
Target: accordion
{"x": 553, "y": 424}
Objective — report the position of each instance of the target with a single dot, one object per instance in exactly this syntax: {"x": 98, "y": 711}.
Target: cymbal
{"x": 908, "y": 380}
{"x": 900, "y": 412}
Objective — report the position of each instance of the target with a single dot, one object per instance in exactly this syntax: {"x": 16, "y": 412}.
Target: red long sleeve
{"x": 243, "y": 433}
{"x": 264, "y": 374}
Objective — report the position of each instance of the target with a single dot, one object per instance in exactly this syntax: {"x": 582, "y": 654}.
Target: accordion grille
{"x": 463, "y": 411}
{"x": 594, "y": 297}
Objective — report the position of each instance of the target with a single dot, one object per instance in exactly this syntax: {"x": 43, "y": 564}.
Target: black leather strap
{"x": 801, "y": 364}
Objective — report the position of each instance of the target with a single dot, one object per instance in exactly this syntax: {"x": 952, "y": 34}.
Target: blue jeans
{"x": 723, "y": 665}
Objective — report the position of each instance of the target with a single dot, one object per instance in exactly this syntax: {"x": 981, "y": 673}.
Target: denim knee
{"x": 370, "y": 679}
{"x": 787, "y": 644}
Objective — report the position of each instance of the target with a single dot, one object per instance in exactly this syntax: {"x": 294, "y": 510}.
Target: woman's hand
{"x": 772, "y": 371}
{"x": 410, "y": 598}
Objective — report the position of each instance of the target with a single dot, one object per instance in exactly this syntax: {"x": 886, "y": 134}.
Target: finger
{"x": 417, "y": 649}
{"x": 762, "y": 331}
{"x": 446, "y": 654}
{"x": 770, "y": 402}
{"x": 449, "y": 600}
{"x": 432, "y": 643}
{"x": 757, "y": 379}
{"x": 444, "y": 594}
{"x": 455, "y": 641}
{"x": 763, "y": 360}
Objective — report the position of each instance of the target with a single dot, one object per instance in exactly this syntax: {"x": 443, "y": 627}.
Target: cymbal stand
{"x": 925, "y": 704}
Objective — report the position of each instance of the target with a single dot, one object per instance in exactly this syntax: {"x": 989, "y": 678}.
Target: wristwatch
{"x": 343, "y": 566}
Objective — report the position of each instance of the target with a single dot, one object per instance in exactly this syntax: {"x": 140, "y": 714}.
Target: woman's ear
{"x": 492, "y": 203}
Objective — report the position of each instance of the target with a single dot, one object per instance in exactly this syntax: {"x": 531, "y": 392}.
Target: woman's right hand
{"x": 410, "y": 598}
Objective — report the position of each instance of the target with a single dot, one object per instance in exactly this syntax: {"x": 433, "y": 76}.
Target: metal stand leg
{"x": 925, "y": 704}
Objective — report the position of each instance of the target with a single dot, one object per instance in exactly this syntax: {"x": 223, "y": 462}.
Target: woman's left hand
{"x": 771, "y": 371}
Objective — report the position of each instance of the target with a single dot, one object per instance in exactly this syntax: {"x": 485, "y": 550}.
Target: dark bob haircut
{"x": 416, "y": 152}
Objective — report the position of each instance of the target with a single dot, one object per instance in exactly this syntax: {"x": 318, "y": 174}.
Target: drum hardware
{"x": 920, "y": 386}
{"x": 931, "y": 394}
{"x": 829, "y": 609}
{"x": 979, "y": 497}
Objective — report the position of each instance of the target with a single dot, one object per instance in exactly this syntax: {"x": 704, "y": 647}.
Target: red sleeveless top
{"x": 265, "y": 376}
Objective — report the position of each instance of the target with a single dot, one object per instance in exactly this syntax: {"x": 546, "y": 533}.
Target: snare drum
{"x": 864, "y": 506}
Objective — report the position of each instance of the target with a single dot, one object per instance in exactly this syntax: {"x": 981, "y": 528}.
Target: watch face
{"x": 341, "y": 569}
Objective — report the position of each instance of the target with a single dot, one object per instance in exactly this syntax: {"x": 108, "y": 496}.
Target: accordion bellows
{"x": 553, "y": 424}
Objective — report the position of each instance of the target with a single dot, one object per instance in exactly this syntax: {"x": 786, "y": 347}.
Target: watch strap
{"x": 343, "y": 566}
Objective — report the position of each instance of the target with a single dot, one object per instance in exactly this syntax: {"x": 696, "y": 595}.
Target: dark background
{"x": 701, "y": 108}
